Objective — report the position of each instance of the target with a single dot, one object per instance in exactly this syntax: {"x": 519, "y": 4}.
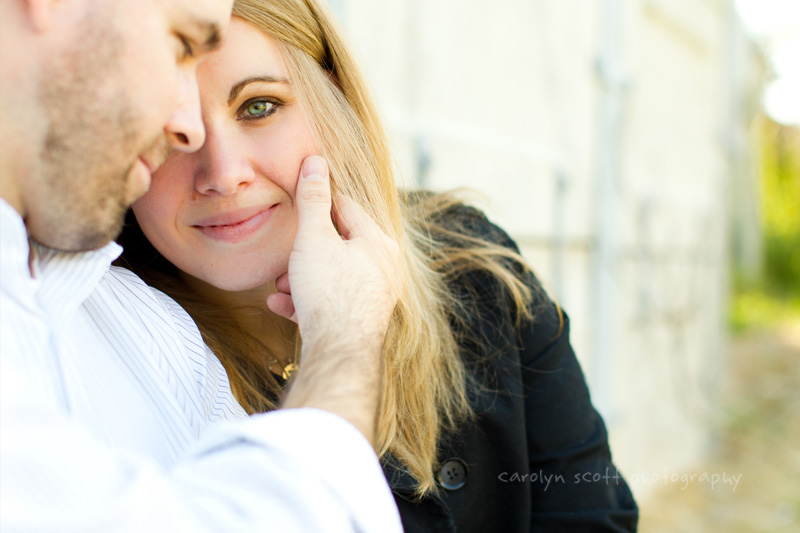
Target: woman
{"x": 486, "y": 422}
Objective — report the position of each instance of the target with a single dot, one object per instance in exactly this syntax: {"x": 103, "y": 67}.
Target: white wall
{"x": 597, "y": 133}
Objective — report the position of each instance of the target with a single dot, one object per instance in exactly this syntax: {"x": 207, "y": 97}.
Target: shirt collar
{"x": 62, "y": 280}
{"x": 14, "y": 250}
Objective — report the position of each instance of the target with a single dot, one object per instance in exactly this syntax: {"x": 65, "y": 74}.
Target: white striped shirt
{"x": 112, "y": 411}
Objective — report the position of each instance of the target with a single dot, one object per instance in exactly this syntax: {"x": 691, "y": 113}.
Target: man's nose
{"x": 185, "y": 131}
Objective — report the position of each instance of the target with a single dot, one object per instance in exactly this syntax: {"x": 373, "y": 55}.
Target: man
{"x": 110, "y": 400}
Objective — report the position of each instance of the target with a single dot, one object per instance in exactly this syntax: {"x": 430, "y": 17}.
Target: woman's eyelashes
{"x": 257, "y": 108}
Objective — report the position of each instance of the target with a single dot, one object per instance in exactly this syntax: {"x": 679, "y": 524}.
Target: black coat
{"x": 537, "y": 457}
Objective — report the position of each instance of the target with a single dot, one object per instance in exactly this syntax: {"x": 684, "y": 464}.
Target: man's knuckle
{"x": 317, "y": 195}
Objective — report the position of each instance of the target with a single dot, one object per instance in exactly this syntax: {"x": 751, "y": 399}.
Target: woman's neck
{"x": 249, "y": 310}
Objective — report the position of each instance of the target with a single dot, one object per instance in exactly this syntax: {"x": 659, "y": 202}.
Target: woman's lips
{"x": 235, "y": 226}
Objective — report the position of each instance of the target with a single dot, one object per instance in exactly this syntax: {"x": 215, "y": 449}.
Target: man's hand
{"x": 341, "y": 290}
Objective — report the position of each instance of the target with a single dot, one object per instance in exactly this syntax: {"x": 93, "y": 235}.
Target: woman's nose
{"x": 224, "y": 170}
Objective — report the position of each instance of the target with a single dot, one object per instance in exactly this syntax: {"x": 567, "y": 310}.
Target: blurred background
{"x": 645, "y": 155}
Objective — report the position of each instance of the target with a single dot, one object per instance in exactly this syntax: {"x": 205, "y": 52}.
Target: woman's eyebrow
{"x": 237, "y": 88}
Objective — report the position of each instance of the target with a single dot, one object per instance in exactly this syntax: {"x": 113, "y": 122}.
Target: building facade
{"x": 609, "y": 138}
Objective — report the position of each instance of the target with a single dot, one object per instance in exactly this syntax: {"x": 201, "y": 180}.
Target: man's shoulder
{"x": 143, "y": 299}
{"x": 127, "y": 278}
{"x": 169, "y": 338}
{"x": 135, "y": 306}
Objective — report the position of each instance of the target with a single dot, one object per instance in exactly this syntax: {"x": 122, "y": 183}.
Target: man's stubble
{"x": 91, "y": 145}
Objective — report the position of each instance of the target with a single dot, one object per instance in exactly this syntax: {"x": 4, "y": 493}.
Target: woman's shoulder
{"x": 450, "y": 217}
{"x": 485, "y": 287}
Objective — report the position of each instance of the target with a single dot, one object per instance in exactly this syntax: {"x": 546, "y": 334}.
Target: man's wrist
{"x": 341, "y": 379}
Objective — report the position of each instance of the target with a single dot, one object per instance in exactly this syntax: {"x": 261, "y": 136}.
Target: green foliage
{"x": 753, "y": 307}
{"x": 776, "y": 296}
{"x": 780, "y": 178}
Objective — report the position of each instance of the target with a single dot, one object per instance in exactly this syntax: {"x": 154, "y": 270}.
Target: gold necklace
{"x": 287, "y": 369}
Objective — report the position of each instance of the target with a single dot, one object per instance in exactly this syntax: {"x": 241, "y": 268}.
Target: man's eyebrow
{"x": 210, "y": 34}
{"x": 236, "y": 89}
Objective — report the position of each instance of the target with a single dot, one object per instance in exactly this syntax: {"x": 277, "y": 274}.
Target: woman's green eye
{"x": 259, "y": 107}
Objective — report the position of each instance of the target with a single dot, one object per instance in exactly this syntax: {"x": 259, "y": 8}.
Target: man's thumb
{"x": 313, "y": 198}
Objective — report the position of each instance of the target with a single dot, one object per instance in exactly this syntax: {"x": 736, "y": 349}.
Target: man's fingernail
{"x": 314, "y": 168}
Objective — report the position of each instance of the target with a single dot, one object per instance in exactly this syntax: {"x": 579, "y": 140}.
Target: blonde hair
{"x": 425, "y": 391}
{"x": 426, "y": 384}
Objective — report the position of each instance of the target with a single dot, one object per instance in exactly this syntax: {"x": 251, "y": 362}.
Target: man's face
{"x": 115, "y": 99}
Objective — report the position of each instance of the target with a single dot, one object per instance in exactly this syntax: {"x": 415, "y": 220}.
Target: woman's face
{"x": 226, "y": 214}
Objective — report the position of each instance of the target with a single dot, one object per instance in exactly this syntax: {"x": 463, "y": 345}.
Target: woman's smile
{"x": 235, "y": 226}
{"x": 225, "y": 214}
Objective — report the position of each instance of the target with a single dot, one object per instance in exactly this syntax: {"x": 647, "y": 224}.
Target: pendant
{"x": 289, "y": 370}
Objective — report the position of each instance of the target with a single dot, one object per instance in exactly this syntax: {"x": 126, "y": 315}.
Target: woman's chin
{"x": 263, "y": 282}
{"x": 233, "y": 280}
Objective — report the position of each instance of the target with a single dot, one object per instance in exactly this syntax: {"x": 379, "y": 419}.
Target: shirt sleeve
{"x": 535, "y": 401}
{"x": 567, "y": 438}
{"x": 294, "y": 470}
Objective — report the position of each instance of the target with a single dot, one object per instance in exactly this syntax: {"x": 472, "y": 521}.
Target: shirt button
{"x": 453, "y": 474}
